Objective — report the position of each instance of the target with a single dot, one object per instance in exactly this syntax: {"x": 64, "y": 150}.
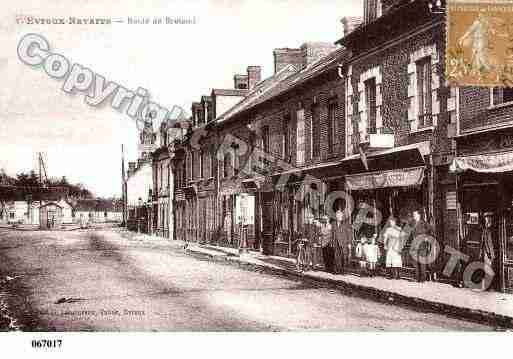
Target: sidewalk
{"x": 492, "y": 307}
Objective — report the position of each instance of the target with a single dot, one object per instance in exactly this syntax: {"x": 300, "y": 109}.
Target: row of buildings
{"x": 371, "y": 115}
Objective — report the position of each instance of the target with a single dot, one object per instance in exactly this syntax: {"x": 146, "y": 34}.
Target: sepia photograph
{"x": 255, "y": 166}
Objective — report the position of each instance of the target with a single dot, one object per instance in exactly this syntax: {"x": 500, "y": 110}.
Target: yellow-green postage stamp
{"x": 479, "y": 43}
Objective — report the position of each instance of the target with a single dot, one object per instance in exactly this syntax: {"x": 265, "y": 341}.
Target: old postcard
{"x": 255, "y": 166}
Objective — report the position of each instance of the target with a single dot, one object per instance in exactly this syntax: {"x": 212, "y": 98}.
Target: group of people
{"x": 334, "y": 239}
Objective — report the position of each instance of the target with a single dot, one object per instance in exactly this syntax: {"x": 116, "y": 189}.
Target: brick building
{"x": 397, "y": 114}
{"x": 482, "y": 180}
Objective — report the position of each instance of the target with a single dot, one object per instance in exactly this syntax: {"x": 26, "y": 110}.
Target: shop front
{"x": 484, "y": 172}
{"x": 396, "y": 184}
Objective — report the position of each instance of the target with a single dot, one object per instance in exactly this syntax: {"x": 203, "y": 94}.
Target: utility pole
{"x": 123, "y": 185}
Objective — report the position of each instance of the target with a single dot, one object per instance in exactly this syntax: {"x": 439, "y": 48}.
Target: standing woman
{"x": 393, "y": 246}
{"x": 326, "y": 235}
{"x": 342, "y": 238}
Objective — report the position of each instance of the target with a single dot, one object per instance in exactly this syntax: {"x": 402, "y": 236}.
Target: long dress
{"x": 393, "y": 246}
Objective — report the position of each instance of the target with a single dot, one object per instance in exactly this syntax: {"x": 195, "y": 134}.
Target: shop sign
{"x": 395, "y": 178}
{"x": 493, "y": 163}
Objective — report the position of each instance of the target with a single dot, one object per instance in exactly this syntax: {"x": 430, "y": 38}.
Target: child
{"x": 359, "y": 253}
{"x": 371, "y": 252}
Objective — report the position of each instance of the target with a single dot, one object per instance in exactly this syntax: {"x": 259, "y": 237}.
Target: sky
{"x": 175, "y": 63}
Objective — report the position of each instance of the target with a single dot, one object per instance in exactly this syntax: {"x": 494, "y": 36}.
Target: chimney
{"x": 240, "y": 82}
{"x": 350, "y": 23}
{"x": 308, "y": 53}
{"x": 313, "y": 51}
{"x": 131, "y": 168}
{"x": 254, "y": 76}
{"x": 285, "y": 56}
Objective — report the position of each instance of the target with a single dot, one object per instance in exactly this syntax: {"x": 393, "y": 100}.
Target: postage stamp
{"x": 480, "y": 43}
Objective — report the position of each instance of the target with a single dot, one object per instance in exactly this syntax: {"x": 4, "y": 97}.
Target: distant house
{"x": 98, "y": 211}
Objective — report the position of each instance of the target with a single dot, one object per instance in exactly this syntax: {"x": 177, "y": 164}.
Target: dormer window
{"x": 242, "y": 86}
{"x": 372, "y": 10}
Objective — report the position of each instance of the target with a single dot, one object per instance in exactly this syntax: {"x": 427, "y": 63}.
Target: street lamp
{"x": 138, "y": 217}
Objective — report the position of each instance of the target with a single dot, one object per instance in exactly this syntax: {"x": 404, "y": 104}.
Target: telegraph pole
{"x": 123, "y": 185}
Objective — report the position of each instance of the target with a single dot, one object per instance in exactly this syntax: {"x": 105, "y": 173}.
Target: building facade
{"x": 397, "y": 116}
{"x": 481, "y": 194}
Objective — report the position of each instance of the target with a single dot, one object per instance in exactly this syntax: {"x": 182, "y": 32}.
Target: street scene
{"x": 352, "y": 175}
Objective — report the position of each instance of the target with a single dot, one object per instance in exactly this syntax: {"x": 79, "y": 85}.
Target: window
{"x": 286, "y": 138}
{"x": 200, "y": 164}
{"x": 210, "y": 111}
{"x": 502, "y": 95}
{"x": 316, "y": 132}
{"x": 332, "y": 126}
{"x": 372, "y": 10}
{"x": 300, "y": 135}
{"x": 193, "y": 165}
{"x": 265, "y": 139}
{"x": 424, "y": 99}
{"x": 211, "y": 164}
{"x": 370, "y": 105}
{"x": 227, "y": 164}
{"x": 199, "y": 117}
{"x": 11, "y": 215}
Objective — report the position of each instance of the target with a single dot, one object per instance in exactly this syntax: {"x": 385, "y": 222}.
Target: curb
{"x": 497, "y": 320}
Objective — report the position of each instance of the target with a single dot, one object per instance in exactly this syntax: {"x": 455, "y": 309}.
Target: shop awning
{"x": 404, "y": 177}
{"x": 422, "y": 148}
{"x": 490, "y": 163}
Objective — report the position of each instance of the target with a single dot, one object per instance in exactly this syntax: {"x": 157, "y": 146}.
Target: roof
{"x": 254, "y": 96}
{"x": 92, "y": 205}
{"x": 285, "y": 80}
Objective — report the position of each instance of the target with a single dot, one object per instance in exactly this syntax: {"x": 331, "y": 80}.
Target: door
{"x": 482, "y": 201}
{"x": 506, "y": 257}
{"x": 267, "y": 223}
{"x": 52, "y": 218}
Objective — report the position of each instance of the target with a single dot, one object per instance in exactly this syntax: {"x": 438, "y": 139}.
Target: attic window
{"x": 372, "y": 10}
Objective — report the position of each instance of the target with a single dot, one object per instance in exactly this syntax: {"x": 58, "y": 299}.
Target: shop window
{"x": 316, "y": 132}
{"x": 332, "y": 126}
{"x": 370, "y": 97}
{"x": 424, "y": 99}
{"x": 502, "y": 95}
{"x": 300, "y": 137}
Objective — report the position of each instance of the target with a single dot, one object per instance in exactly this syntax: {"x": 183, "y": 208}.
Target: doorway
{"x": 480, "y": 201}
